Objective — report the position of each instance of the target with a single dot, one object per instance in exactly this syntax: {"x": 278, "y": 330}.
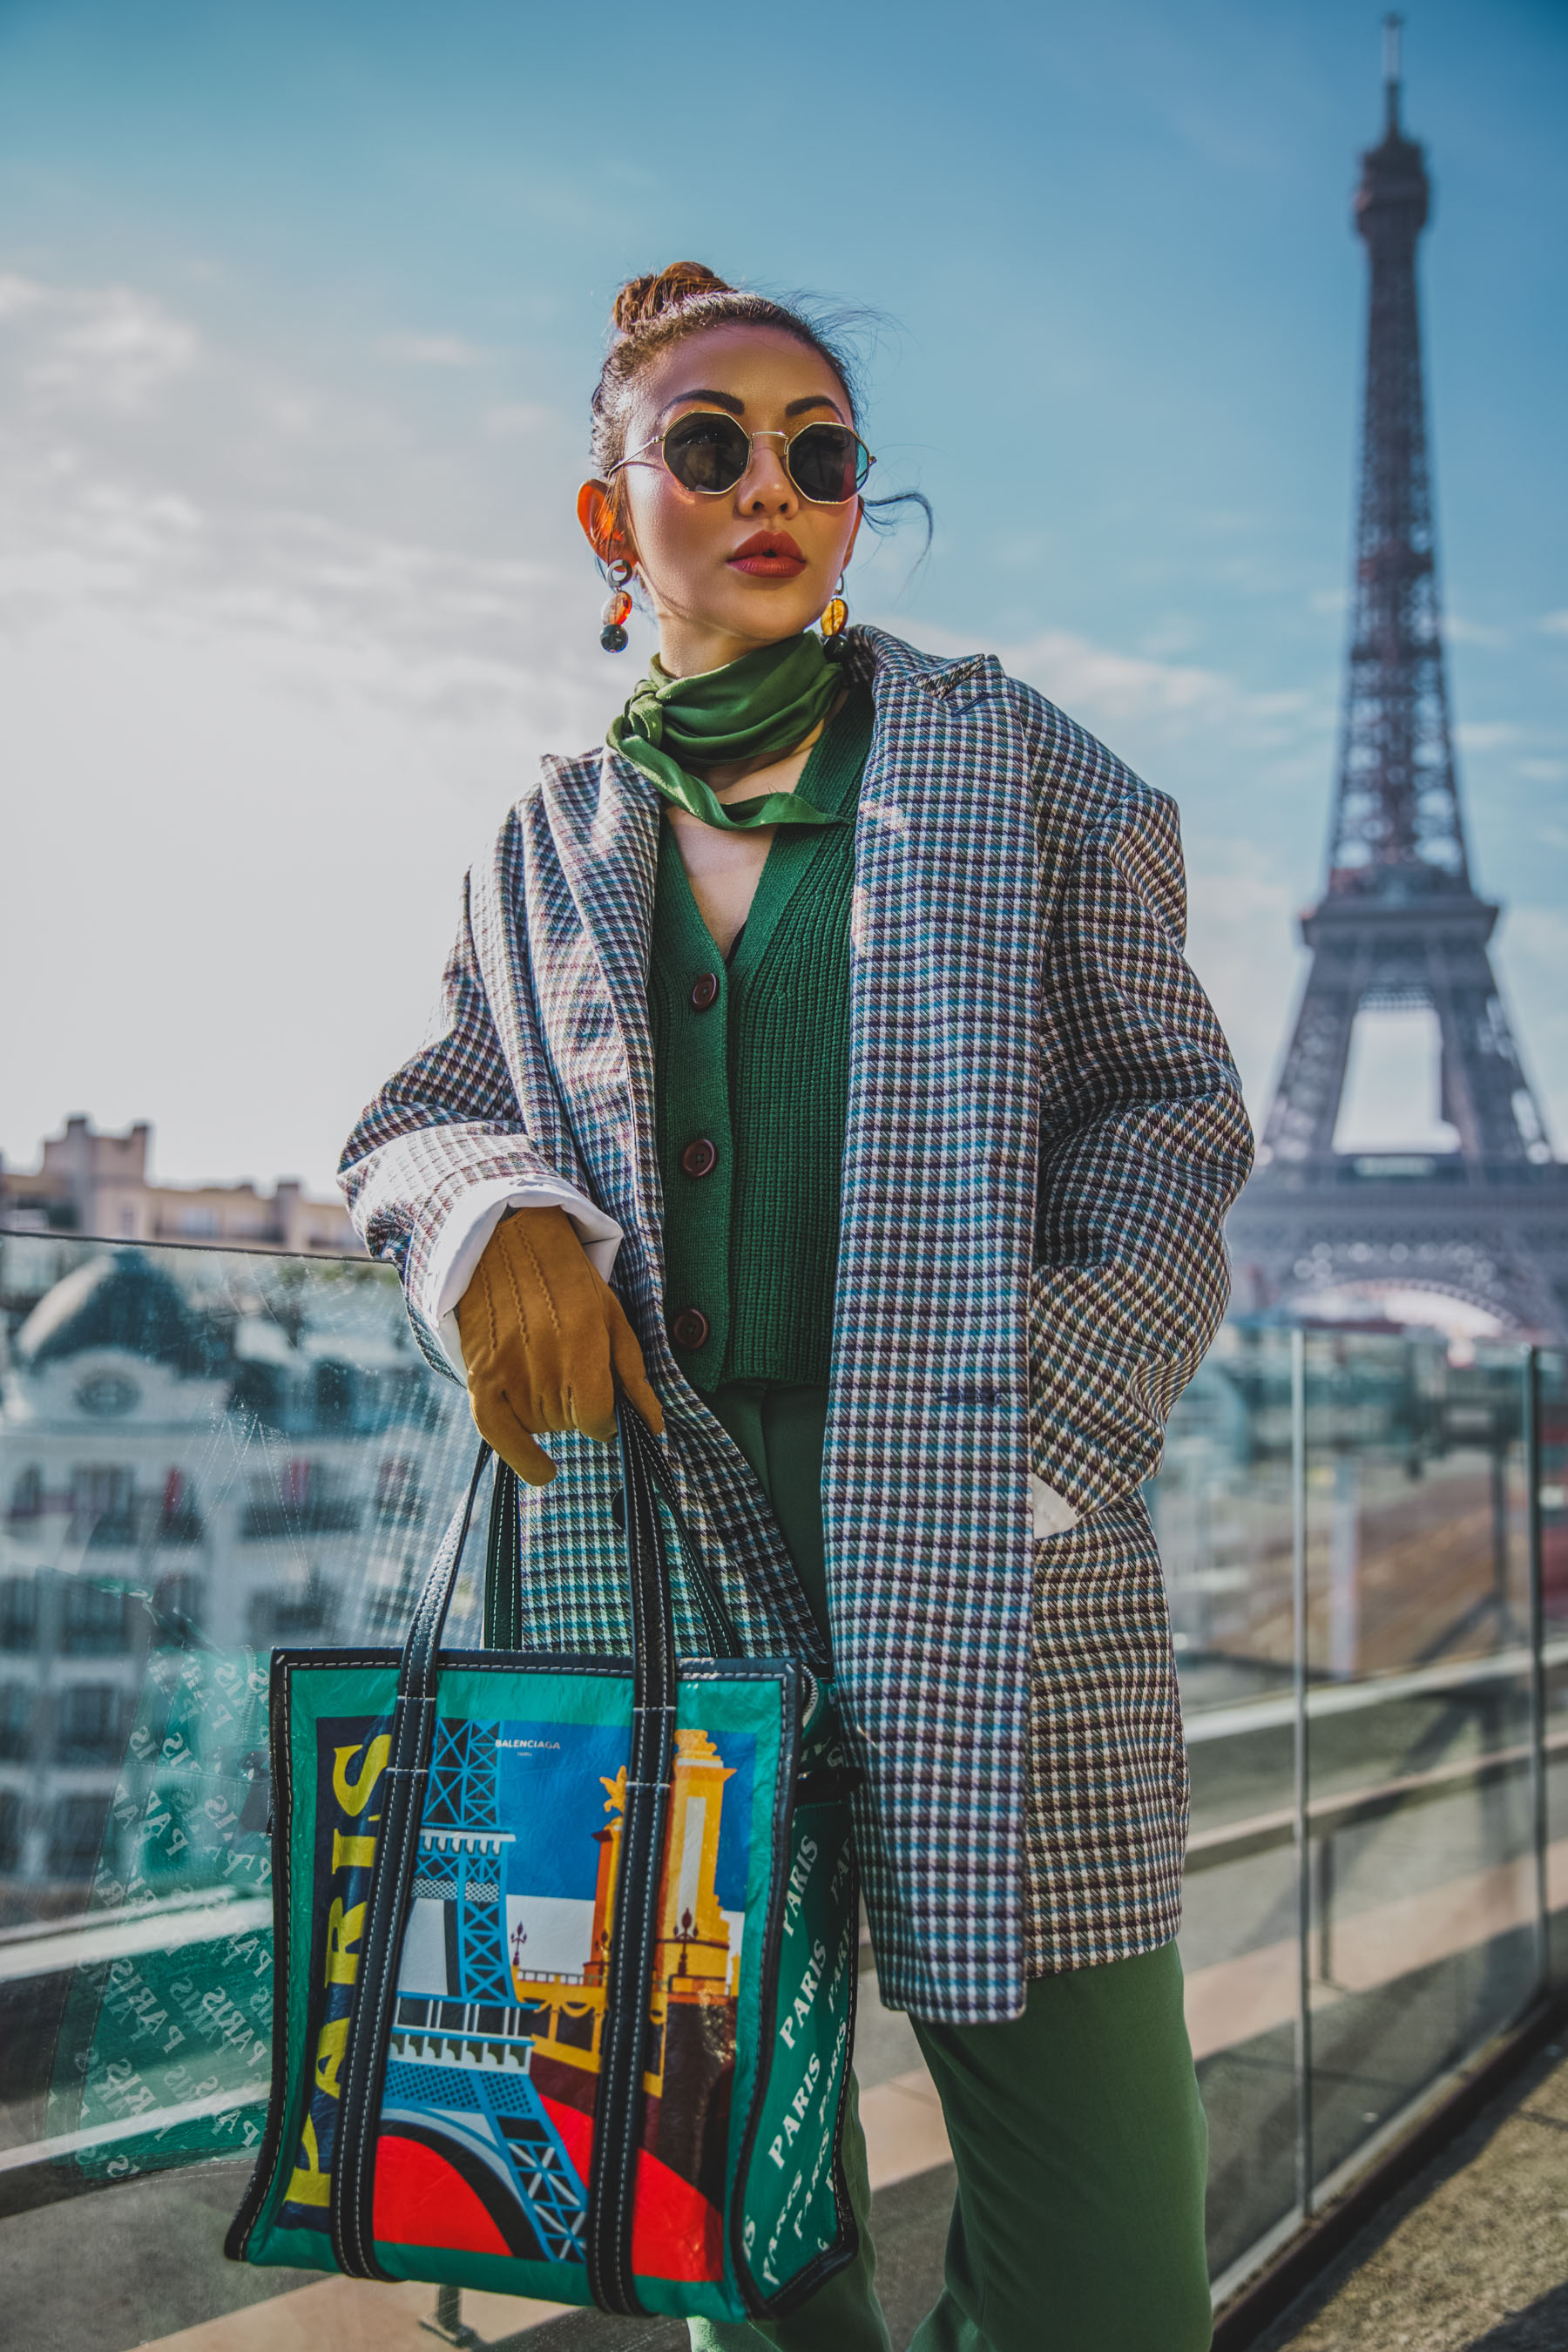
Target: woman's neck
{"x": 687, "y": 648}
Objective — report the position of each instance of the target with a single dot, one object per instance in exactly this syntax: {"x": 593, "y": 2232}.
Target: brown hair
{"x": 663, "y": 307}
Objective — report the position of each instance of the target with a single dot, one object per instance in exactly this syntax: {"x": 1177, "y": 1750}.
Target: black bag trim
{"x": 275, "y": 2138}
{"x": 503, "y": 1544}
{"x": 617, "y": 2103}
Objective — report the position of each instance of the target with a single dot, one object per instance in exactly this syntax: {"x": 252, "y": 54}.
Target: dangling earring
{"x": 833, "y": 621}
{"x": 613, "y": 635}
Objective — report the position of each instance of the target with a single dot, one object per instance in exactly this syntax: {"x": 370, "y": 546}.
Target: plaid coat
{"x": 1044, "y": 1132}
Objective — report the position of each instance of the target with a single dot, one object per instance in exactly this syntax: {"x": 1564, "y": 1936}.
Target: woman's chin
{"x": 770, "y": 609}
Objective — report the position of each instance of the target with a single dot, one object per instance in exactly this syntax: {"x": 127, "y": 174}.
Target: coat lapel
{"x": 590, "y": 943}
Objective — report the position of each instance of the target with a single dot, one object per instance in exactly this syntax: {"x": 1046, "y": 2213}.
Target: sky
{"x": 301, "y": 306}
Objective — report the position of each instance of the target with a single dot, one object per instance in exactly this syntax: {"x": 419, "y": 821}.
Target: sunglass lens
{"x": 828, "y": 463}
{"x": 706, "y": 451}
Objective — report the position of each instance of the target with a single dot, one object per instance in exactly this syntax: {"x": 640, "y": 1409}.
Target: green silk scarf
{"x": 766, "y": 702}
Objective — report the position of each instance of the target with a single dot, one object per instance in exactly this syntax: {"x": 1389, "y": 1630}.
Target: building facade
{"x": 89, "y": 1182}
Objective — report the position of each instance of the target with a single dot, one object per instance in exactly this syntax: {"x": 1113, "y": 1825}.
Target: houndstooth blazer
{"x": 1044, "y": 1132}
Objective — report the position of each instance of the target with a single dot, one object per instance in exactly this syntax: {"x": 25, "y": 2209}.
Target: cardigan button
{"x": 691, "y": 1328}
{"x": 698, "y": 1157}
{"x": 705, "y": 989}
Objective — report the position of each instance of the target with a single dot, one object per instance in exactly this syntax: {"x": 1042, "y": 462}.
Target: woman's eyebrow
{"x": 727, "y": 400}
{"x": 718, "y": 399}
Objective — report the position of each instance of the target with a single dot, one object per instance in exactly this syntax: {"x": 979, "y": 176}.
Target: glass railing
{"x": 1369, "y": 1592}
{"x": 202, "y": 1453}
{"x": 205, "y": 1452}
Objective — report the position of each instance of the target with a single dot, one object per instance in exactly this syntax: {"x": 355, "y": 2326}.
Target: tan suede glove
{"x": 543, "y": 1335}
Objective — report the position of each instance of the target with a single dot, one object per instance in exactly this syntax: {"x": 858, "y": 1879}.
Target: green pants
{"x": 1077, "y": 2135}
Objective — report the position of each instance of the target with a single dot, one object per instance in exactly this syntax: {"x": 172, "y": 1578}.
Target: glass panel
{"x": 205, "y": 1452}
{"x": 1423, "y": 1929}
{"x": 1222, "y": 1509}
{"x": 201, "y": 1453}
{"x": 1553, "y": 1398}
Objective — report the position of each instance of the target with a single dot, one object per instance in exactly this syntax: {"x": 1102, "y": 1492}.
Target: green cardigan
{"x": 752, "y": 1065}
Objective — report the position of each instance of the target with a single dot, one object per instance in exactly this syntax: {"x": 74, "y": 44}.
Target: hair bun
{"x": 643, "y": 300}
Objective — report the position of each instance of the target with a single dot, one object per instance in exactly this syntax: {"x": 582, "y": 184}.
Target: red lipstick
{"x": 769, "y": 555}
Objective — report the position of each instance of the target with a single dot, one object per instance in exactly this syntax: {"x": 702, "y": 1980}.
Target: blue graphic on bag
{"x": 485, "y": 2121}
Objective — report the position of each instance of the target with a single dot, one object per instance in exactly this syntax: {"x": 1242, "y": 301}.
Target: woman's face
{"x": 730, "y": 571}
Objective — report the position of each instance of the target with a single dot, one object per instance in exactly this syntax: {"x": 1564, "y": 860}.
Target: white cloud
{"x": 107, "y": 347}
{"x": 1120, "y": 694}
{"x": 1543, "y": 772}
{"x": 1484, "y": 734}
{"x": 517, "y": 417}
{"x": 1244, "y": 945}
{"x": 1462, "y": 632}
{"x": 1555, "y": 624}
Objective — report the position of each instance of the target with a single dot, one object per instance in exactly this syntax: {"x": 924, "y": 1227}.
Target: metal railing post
{"x": 1533, "y": 1556}
{"x": 1304, "y": 1825}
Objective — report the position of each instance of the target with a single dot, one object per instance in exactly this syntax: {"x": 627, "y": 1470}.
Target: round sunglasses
{"x": 709, "y": 452}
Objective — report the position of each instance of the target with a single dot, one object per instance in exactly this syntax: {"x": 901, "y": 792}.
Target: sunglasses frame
{"x": 638, "y": 457}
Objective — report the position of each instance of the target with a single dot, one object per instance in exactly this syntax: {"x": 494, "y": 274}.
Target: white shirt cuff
{"x": 467, "y": 1226}
{"x": 1053, "y": 1514}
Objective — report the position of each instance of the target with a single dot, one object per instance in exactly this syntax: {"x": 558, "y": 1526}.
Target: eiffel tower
{"x": 1400, "y": 923}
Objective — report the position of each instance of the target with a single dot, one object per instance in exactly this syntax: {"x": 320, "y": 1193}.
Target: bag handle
{"x": 618, "y": 2105}
{"x": 618, "y": 2109}
{"x": 391, "y": 1885}
{"x": 503, "y": 1617}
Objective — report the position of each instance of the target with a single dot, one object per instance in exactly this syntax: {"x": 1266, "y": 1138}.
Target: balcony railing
{"x": 1366, "y": 1550}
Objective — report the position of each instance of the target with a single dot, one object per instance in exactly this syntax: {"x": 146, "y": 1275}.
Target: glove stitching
{"x": 543, "y": 1282}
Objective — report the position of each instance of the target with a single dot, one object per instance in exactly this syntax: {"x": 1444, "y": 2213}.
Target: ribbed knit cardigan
{"x": 752, "y": 1065}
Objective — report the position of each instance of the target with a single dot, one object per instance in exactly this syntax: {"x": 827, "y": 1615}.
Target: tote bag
{"x": 565, "y": 1952}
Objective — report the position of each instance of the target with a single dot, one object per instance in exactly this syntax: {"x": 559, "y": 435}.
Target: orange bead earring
{"x": 832, "y": 623}
{"x": 613, "y": 635}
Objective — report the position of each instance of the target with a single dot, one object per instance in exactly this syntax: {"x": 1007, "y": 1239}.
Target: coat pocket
{"x": 1107, "y": 1792}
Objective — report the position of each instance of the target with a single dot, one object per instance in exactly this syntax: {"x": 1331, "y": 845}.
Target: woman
{"x": 841, "y": 1006}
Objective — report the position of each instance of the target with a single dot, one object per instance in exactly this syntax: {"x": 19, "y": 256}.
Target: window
{"x": 335, "y": 1394}
{"x": 76, "y": 1836}
{"x": 101, "y": 1504}
{"x": 397, "y": 1496}
{"x": 303, "y": 1497}
{"x": 15, "y": 1718}
{"x": 176, "y": 1606}
{"x": 179, "y": 1521}
{"x": 28, "y": 1495}
{"x": 96, "y": 1620}
{"x": 18, "y": 1612}
{"x": 89, "y": 1724}
{"x": 10, "y": 1830}
{"x": 297, "y": 1613}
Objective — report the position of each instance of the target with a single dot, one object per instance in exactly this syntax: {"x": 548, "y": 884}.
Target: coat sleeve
{"x": 1144, "y": 1144}
{"x": 441, "y": 1153}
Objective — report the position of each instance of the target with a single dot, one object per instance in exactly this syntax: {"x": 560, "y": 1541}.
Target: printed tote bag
{"x": 565, "y": 1953}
